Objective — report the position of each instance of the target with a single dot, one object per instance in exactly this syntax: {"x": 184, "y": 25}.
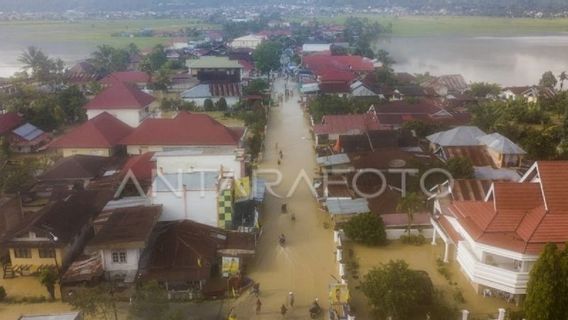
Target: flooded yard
{"x": 420, "y": 258}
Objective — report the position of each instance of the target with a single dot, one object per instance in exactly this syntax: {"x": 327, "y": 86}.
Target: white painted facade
{"x": 250, "y": 41}
{"x": 197, "y": 159}
{"x": 200, "y": 102}
{"x": 113, "y": 267}
{"x": 196, "y": 205}
{"x": 132, "y": 117}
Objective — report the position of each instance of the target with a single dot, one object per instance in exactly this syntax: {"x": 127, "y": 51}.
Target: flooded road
{"x": 305, "y": 264}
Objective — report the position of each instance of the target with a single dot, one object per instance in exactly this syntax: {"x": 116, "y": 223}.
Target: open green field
{"x": 95, "y": 31}
{"x": 416, "y": 26}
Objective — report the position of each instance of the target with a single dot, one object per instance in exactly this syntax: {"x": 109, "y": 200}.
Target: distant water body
{"x": 509, "y": 61}
{"x": 505, "y": 60}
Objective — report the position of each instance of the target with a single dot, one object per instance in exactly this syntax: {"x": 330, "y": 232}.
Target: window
{"x": 22, "y": 253}
{"x": 119, "y": 257}
{"x": 46, "y": 253}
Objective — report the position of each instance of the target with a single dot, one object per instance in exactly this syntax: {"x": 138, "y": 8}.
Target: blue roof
{"x": 28, "y": 132}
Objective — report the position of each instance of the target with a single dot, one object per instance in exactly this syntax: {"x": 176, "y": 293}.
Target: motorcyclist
{"x": 282, "y": 239}
{"x": 315, "y": 308}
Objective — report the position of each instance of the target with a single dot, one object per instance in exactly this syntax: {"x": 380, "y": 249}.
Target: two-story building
{"x": 497, "y": 240}
{"x": 212, "y": 68}
{"x": 125, "y": 101}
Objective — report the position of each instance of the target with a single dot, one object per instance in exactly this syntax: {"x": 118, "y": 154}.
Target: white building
{"x": 121, "y": 236}
{"x": 496, "y": 241}
{"x": 230, "y": 159}
{"x": 250, "y": 41}
{"x": 231, "y": 92}
{"x": 123, "y": 101}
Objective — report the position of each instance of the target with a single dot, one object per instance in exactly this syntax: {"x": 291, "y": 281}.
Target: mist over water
{"x": 508, "y": 61}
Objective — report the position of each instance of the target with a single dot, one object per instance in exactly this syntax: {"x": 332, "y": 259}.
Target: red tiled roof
{"x": 120, "y": 96}
{"x": 337, "y": 68}
{"x": 126, "y": 76}
{"x": 554, "y": 180}
{"x": 515, "y": 217}
{"x": 347, "y": 123}
{"x": 470, "y": 189}
{"x": 102, "y": 131}
{"x": 142, "y": 166}
{"x": 246, "y": 65}
{"x": 9, "y": 121}
{"x": 185, "y": 129}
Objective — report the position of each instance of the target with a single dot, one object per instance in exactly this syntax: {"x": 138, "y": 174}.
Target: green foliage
{"x": 161, "y": 80}
{"x": 107, "y": 59}
{"x": 547, "y": 296}
{"x": 460, "y": 167}
{"x": 338, "y": 50}
{"x": 208, "y": 105}
{"x": 548, "y": 80}
{"x": 97, "y": 302}
{"x": 367, "y": 228}
{"x": 397, "y": 291}
{"x": 48, "y": 278}
{"x": 484, "y": 89}
{"x": 150, "y": 301}
{"x": 328, "y": 104}
{"x": 421, "y": 128}
{"x": 71, "y": 100}
{"x": 17, "y": 177}
{"x": 171, "y": 104}
{"x": 154, "y": 60}
{"x": 267, "y": 56}
{"x": 221, "y": 104}
{"x": 384, "y": 57}
{"x": 413, "y": 239}
{"x": 410, "y": 204}
{"x": 361, "y": 33}
{"x": 256, "y": 87}
{"x": 43, "y": 68}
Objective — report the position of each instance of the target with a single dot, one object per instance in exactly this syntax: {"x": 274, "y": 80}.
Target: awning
{"x": 338, "y": 206}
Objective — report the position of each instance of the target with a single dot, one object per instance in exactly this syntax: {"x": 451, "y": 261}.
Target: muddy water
{"x": 420, "y": 258}
{"x": 305, "y": 265}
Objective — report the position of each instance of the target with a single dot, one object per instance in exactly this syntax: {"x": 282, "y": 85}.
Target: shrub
{"x": 366, "y": 228}
{"x": 2, "y": 293}
{"x": 413, "y": 239}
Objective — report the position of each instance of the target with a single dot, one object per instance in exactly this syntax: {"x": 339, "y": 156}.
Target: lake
{"x": 518, "y": 60}
{"x": 508, "y": 61}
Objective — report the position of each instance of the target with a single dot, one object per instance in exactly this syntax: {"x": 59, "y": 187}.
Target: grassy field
{"x": 95, "y": 31}
{"x": 417, "y": 26}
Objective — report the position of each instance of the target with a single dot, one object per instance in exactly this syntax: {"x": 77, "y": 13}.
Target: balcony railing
{"x": 491, "y": 276}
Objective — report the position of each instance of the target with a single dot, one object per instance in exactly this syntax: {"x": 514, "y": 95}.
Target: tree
{"x": 208, "y": 105}
{"x": 546, "y": 295}
{"x": 267, "y": 56}
{"x": 338, "y": 50}
{"x": 484, "y": 89}
{"x": 162, "y": 80}
{"x": 71, "y": 100}
{"x": 367, "y": 228}
{"x": 107, "y": 59}
{"x": 37, "y": 62}
{"x": 384, "y": 57}
{"x": 154, "y": 60}
{"x": 548, "y": 80}
{"x": 17, "y": 177}
{"x": 460, "y": 168}
{"x": 256, "y": 86}
{"x": 150, "y": 301}
{"x": 395, "y": 290}
{"x": 410, "y": 204}
{"x": 562, "y": 77}
{"x": 98, "y": 302}
{"x": 221, "y": 104}
{"x": 48, "y": 278}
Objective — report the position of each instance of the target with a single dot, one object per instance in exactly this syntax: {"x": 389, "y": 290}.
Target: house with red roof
{"x": 334, "y": 126}
{"x": 98, "y": 136}
{"x": 9, "y": 121}
{"x": 124, "y": 101}
{"x": 139, "y": 78}
{"x": 185, "y": 130}
{"x": 336, "y": 73}
{"x": 497, "y": 240}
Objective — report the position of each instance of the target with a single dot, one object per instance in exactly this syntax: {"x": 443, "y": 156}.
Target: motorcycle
{"x": 315, "y": 310}
{"x": 282, "y": 240}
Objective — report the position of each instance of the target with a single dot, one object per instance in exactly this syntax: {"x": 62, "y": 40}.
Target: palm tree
{"x": 562, "y": 77}
{"x": 37, "y": 62}
{"x": 409, "y": 204}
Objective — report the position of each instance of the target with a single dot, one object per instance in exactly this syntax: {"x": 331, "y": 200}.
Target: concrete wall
{"x": 132, "y": 258}
{"x": 67, "y": 152}
{"x": 200, "y": 102}
{"x": 131, "y": 117}
{"x": 394, "y": 234}
{"x": 198, "y": 206}
{"x": 197, "y": 162}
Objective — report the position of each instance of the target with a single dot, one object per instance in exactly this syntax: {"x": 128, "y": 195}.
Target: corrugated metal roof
{"x": 28, "y": 132}
{"x": 501, "y": 144}
{"x": 337, "y": 206}
{"x": 336, "y": 159}
{"x": 212, "y": 62}
{"x": 458, "y": 136}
